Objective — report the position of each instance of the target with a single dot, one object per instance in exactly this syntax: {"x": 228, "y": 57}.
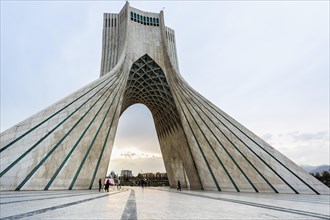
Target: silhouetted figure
{"x": 107, "y": 184}
{"x": 100, "y": 184}
{"x": 118, "y": 184}
{"x": 179, "y": 186}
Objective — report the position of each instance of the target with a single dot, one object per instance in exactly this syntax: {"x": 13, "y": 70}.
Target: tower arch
{"x": 147, "y": 84}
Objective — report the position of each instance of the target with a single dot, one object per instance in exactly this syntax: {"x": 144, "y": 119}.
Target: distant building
{"x": 148, "y": 175}
{"x": 126, "y": 173}
{"x": 161, "y": 175}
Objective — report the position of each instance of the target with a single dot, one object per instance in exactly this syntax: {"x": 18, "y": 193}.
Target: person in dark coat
{"x": 179, "y": 186}
{"x": 107, "y": 184}
{"x": 100, "y": 184}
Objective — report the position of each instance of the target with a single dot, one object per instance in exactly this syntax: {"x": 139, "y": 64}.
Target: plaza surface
{"x": 160, "y": 203}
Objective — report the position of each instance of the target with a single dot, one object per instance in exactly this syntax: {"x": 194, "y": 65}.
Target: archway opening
{"x": 136, "y": 146}
{"x": 147, "y": 85}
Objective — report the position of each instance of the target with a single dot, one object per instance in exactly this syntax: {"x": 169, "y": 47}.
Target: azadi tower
{"x": 68, "y": 145}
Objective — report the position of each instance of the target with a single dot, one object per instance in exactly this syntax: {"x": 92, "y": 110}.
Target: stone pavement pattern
{"x": 160, "y": 203}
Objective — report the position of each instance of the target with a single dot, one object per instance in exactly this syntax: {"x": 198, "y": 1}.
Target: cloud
{"x": 311, "y": 148}
{"x": 297, "y": 136}
{"x": 267, "y": 137}
{"x": 135, "y": 159}
{"x": 132, "y": 153}
{"x": 128, "y": 155}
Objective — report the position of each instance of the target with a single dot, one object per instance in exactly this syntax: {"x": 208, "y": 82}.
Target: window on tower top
{"x": 144, "y": 20}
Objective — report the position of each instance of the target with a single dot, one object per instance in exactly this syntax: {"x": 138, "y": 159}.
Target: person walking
{"x": 179, "y": 186}
{"x": 118, "y": 184}
{"x": 100, "y": 184}
{"x": 107, "y": 184}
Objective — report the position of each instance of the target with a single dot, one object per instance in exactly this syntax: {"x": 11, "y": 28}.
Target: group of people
{"x": 142, "y": 182}
{"x": 107, "y": 183}
{"x": 110, "y": 182}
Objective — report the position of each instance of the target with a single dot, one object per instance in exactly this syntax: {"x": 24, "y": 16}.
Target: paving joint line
{"x": 130, "y": 212}
{"x": 294, "y": 211}
{"x": 40, "y": 211}
{"x": 48, "y": 198}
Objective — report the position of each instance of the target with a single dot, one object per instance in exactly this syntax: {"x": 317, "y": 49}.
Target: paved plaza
{"x": 160, "y": 203}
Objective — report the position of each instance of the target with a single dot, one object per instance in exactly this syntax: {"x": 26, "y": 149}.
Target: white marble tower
{"x": 68, "y": 145}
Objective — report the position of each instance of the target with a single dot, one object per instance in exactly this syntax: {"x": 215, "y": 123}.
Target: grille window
{"x": 144, "y": 20}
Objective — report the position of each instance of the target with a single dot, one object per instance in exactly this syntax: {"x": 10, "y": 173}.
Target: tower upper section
{"x": 133, "y": 33}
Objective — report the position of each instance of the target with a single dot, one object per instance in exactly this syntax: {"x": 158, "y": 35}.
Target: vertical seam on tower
{"x": 111, "y": 49}
{"x": 104, "y": 49}
{"x": 106, "y": 58}
{"x": 105, "y": 23}
{"x": 110, "y": 45}
{"x": 117, "y": 43}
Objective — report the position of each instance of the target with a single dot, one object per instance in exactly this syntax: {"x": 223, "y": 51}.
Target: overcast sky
{"x": 265, "y": 63}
